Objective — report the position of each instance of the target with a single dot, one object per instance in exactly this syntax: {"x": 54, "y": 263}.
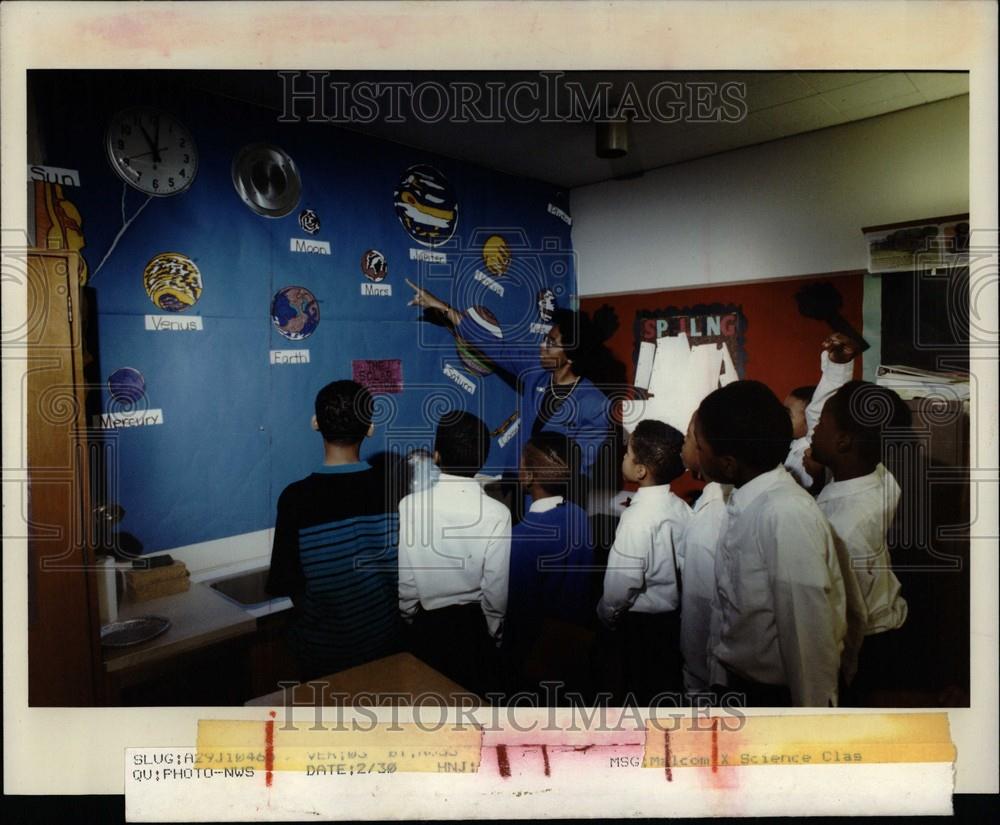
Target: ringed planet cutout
{"x": 475, "y": 361}
{"x": 295, "y": 312}
{"x": 266, "y": 179}
{"x": 374, "y": 265}
{"x": 172, "y": 281}
{"x": 425, "y": 205}
{"x": 309, "y": 221}
{"x": 496, "y": 254}
{"x": 546, "y": 304}
{"x": 126, "y": 385}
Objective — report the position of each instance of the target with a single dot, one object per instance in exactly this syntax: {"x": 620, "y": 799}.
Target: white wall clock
{"x": 152, "y": 151}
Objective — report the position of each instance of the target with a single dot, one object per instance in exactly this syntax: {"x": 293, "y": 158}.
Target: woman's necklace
{"x": 569, "y": 392}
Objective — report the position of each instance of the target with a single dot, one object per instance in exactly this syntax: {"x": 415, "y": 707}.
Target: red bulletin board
{"x": 782, "y": 346}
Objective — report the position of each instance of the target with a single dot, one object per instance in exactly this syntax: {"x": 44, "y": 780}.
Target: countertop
{"x": 198, "y": 618}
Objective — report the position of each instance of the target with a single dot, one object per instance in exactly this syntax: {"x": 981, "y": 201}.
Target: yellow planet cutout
{"x": 496, "y": 254}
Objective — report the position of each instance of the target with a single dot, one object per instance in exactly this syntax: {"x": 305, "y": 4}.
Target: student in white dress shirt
{"x": 641, "y": 593}
{"x": 860, "y": 504}
{"x": 779, "y": 600}
{"x": 697, "y": 553}
{"x": 454, "y": 559}
{"x": 836, "y": 369}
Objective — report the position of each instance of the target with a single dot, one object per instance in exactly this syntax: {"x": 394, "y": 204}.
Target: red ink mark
{"x": 503, "y": 763}
{"x": 666, "y": 755}
{"x": 545, "y": 756}
{"x": 715, "y": 745}
{"x": 269, "y": 750}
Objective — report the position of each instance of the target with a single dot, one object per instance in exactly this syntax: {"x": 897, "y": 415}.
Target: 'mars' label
{"x": 305, "y": 245}
{"x": 125, "y": 420}
{"x": 379, "y": 290}
{"x": 173, "y": 323}
{"x": 289, "y": 356}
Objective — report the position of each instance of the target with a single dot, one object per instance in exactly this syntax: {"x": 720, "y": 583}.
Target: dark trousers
{"x": 879, "y": 667}
{"x": 456, "y": 642}
{"x": 757, "y": 694}
{"x": 652, "y": 657}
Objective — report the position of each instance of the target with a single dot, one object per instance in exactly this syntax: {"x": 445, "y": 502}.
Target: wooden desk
{"x": 401, "y": 673}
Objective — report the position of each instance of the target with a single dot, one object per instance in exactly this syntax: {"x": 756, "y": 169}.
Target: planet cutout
{"x": 126, "y": 385}
{"x": 295, "y": 312}
{"x": 172, "y": 281}
{"x": 425, "y": 205}
{"x": 496, "y": 254}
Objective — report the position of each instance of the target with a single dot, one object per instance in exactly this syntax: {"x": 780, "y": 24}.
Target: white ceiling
{"x": 780, "y": 104}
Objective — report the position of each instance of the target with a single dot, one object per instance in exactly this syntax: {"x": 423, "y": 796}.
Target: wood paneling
{"x": 63, "y": 625}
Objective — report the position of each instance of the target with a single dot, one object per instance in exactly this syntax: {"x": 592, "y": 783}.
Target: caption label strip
{"x": 665, "y": 744}
{"x": 700, "y": 766}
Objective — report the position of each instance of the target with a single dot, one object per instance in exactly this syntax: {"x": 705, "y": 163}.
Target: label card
{"x": 463, "y": 381}
{"x": 428, "y": 256}
{"x": 555, "y": 210}
{"x": 174, "y": 323}
{"x": 489, "y": 283}
{"x": 126, "y": 420}
{"x": 289, "y": 356}
{"x": 308, "y": 245}
{"x": 54, "y": 174}
{"x": 504, "y": 439}
{"x": 378, "y": 290}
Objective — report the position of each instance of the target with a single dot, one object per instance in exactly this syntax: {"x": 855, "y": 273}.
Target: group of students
{"x": 776, "y": 584}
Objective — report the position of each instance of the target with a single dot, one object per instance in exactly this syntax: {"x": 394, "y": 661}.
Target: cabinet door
{"x": 63, "y": 629}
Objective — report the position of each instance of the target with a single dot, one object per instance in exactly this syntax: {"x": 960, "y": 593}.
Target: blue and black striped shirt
{"x": 335, "y": 554}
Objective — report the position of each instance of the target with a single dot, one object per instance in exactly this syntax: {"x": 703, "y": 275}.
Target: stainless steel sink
{"x": 247, "y": 590}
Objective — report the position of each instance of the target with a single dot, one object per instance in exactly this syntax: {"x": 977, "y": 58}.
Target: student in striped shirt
{"x": 335, "y": 541}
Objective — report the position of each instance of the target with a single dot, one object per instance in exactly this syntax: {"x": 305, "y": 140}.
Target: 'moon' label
{"x": 172, "y": 281}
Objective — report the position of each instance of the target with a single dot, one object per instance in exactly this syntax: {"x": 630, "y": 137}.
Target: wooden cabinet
{"x": 63, "y": 624}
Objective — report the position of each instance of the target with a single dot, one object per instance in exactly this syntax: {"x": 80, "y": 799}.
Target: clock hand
{"x": 143, "y": 154}
{"x": 156, "y": 142}
{"x": 152, "y": 145}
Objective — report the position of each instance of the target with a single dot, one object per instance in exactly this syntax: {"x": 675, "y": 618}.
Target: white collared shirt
{"x": 860, "y": 511}
{"x": 697, "y": 557}
{"x": 454, "y": 548}
{"x": 640, "y": 574}
{"x": 779, "y": 591}
{"x": 543, "y": 505}
{"x": 833, "y": 377}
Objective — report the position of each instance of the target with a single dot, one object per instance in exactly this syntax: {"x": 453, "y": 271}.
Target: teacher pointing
{"x": 557, "y": 393}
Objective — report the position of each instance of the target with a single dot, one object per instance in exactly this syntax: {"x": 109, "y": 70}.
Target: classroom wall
{"x": 235, "y": 429}
{"x": 790, "y": 207}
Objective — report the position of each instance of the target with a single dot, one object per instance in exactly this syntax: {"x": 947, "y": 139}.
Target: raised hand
{"x": 427, "y": 300}
{"x": 840, "y": 348}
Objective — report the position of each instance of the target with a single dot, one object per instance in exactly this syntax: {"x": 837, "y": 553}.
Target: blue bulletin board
{"x": 235, "y": 428}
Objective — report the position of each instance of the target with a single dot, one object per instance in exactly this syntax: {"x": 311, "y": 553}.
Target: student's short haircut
{"x": 344, "y": 412}
{"x": 657, "y": 446}
{"x": 803, "y": 394}
{"x": 556, "y": 460}
{"x": 865, "y": 411}
{"x": 462, "y": 443}
{"x": 747, "y": 421}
